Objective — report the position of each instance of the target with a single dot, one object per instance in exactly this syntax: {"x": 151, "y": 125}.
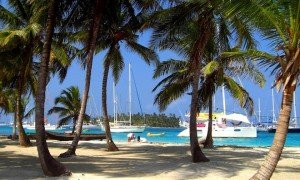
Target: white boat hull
{"x": 91, "y": 127}
{"x": 127, "y": 129}
{"x": 228, "y": 132}
{"x": 51, "y": 127}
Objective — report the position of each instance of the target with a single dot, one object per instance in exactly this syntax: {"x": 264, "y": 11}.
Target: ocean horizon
{"x": 263, "y": 139}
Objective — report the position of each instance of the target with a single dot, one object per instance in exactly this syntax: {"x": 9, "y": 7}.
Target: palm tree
{"x": 21, "y": 40}
{"x": 278, "y": 22}
{"x": 70, "y": 105}
{"x": 7, "y": 104}
{"x": 123, "y": 29}
{"x": 98, "y": 12}
{"x": 202, "y": 16}
{"x": 19, "y": 35}
{"x": 178, "y": 81}
{"x": 50, "y": 166}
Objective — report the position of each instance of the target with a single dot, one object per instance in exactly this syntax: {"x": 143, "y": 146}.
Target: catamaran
{"x": 224, "y": 125}
{"x": 230, "y": 125}
{"x": 124, "y": 126}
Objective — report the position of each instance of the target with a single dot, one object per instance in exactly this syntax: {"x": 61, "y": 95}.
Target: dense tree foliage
{"x": 150, "y": 120}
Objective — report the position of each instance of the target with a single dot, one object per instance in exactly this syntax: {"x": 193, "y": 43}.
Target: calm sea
{"x": 263, "y": 139}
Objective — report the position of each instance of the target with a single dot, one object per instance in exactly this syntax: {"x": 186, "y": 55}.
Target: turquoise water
{"x": 262, "y": 140}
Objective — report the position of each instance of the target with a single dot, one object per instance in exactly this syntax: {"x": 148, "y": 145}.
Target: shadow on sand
{"x": 137, "y": 161}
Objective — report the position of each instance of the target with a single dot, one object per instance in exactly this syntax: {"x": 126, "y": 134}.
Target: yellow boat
{"x": 155, "y": 134}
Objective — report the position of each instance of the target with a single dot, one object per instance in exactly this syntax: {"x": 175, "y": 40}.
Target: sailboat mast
{"x": 129, "y": 92}
{"x": 223, "y": 97}
{"x": 259, "y": 110}
{"x": 273, "y": 108}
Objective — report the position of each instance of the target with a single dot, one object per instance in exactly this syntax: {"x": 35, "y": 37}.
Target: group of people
{"x": 131, "y": 137}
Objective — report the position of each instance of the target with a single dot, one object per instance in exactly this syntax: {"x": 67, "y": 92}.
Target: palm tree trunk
{"x": 23, "y": 138}
{"x": 50, "y": 166}
{"x": 14, "y": 134}
{"x": 110, "y": 143}
{"x": 74, "y": 124}
{"x": 268, "y": 167}
{"x": 98, "y": 12}
{"x": 209, "y": 143}
{"x": 195, "y": 58}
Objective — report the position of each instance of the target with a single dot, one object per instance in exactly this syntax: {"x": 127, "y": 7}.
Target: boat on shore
{"x": 70, "y": 137}
{"x": 155, "y": 134}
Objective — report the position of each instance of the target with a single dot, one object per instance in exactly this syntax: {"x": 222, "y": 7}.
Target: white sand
{"x": 147, "y": 161}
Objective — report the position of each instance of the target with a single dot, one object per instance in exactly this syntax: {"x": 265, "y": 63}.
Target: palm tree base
{"x": 55, "y": 169}
{"x": 25, "y": 143}
{"x": 198, "y": 156}
{"x": 112, "y": 147}
{"x": 208, "y": 144}
{"x": 67, "y": 154}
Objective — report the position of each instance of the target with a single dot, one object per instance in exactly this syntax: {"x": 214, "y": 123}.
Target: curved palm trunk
{"x": 50, "y": 166}
{"x": 197, "y": 154}
{"x": 99, "y": 8}
{"x": 195, "y": 58}
{"x": 23, "y": 138}
{"x": 110, "y": 143}
{"x": 268, "y": 167}
{"x": 209, "y": 143}
{"x": 14, "y": 134}
{"x": 74, "y": 124}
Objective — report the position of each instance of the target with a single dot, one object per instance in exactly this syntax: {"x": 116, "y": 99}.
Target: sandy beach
{"x": 147, "y": 161}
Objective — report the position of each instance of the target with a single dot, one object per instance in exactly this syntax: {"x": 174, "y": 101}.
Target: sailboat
{"x": 292, "y": 128}
{"x": 224, "y": 125}
{"x": 124, "y": 126}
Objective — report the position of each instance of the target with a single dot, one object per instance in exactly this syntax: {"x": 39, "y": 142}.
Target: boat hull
{"x": 228, "y": 132}
{"x": 127, "y": 129}
{"x": 50, "y": 127}
{"x": 70, "y": 137}
{"x": 155, "y": 134}
{"x": 290, "y": 130}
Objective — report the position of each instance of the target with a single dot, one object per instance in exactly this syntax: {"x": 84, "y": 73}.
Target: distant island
{"x": 152, "y": 120}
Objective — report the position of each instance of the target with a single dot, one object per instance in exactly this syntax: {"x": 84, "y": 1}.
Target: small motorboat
{"x": 70, "y": 137}
{"x": 155, "y": 134}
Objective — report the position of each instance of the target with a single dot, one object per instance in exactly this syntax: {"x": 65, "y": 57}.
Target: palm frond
{"x": 239, "y": 93}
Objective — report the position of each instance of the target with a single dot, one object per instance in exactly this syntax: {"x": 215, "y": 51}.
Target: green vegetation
{"x": 151, "y": 120}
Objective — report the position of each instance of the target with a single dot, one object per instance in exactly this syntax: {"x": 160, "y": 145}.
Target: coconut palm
{"x": 19, "y": 35}
{"x": 278, "y": 22}
{"x": 201, "y": 16}
{"x": 178, "y": 81}
{"x": 98, "y": 11}
{"x": 21, "y": 40}
{"x": 50, "y": 166}
{"x": 125, "y": 32}
{"x": 68, "y": 110}
{"x": 7, "y": 104}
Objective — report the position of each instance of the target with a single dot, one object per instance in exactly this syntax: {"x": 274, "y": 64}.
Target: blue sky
{"x": 143, "y": 76}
